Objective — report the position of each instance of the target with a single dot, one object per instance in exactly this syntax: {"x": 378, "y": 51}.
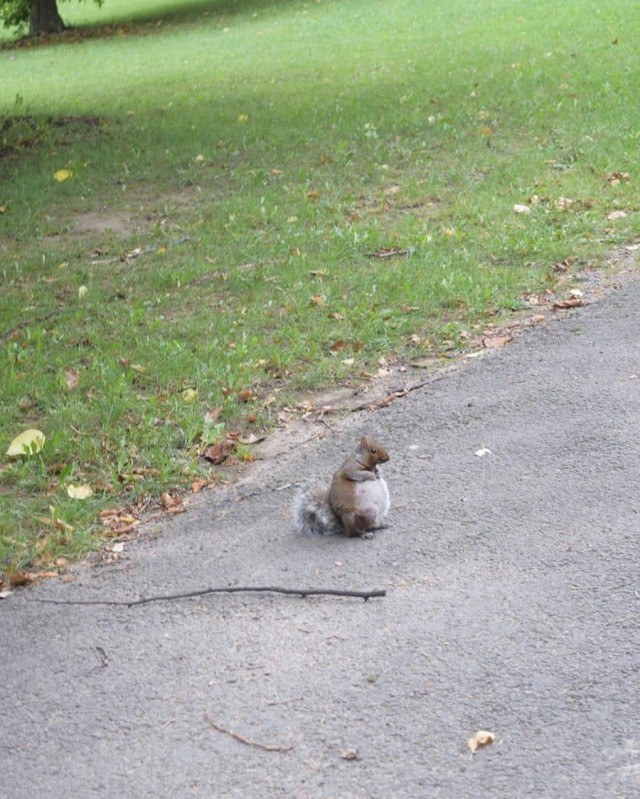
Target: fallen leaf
{"x": 62, "y": 175}
{"x": 481, "y": 738}
{"x": 212, "y": 415}
{"x": 616, "y": 215}
{"x": 218, "y": 453}
{"x": 563, "y": 266}
{"x": 349, "y": 754}
{"x": 618, "y": 177}
{"x": 570, "y": 302}
{"x": 189, "y": 394}
{"x": 198, "y": 485}
{"x": 564, "y": 203}
{"x": 71, "y": 378}
{"x": 172, "y": 503}
{"x": 317, "y": 300}
{"x": 18, "y": 578}
{"x": 252, "y": 439}
{"x": 79, "y": 492}
{"x": 27, "y": 443}
{"x": 496, "y": 341}
{"x": 521, "y": 209}
{"x": 246, "y": 395}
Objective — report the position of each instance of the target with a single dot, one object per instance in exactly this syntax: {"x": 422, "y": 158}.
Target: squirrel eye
{"x": 373, "y": 450}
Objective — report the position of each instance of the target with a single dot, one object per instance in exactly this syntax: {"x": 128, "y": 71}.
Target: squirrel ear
{"x": 364, "y": 443}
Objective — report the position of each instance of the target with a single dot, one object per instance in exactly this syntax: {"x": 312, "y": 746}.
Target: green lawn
{"x": 229, "y": 168}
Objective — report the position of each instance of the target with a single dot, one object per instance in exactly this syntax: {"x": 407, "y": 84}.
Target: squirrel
{"x": 356, "y": 501}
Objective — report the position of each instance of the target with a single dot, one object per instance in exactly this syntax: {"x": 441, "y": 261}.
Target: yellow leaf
{"x": 79, "y": 492}
{"x": 62, "y": 174}
{"x": 189, "y": 394}
{"x": 26, "y": 443}
{"x": 243, "y": 118}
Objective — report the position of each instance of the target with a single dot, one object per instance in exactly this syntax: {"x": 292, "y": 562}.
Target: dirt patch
{"x": 134, "y": 215}
{"x": 107, "y": 220}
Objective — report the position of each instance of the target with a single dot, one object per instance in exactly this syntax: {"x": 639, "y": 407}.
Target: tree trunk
{"x": 44, "y": 17}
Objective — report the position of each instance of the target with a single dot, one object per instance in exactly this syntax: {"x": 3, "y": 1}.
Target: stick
{"x": 374, "y": 405}
{"x": 242, "y": 739}
{"x": 304, "y": 592}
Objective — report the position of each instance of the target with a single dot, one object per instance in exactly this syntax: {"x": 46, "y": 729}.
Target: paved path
{"x": 512, "y": 606}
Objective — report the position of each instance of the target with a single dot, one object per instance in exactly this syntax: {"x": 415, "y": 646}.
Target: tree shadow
{"x": 147, "y": 22}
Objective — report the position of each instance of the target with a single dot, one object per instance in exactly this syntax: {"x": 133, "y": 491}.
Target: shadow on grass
{"x": 145, "y": 23}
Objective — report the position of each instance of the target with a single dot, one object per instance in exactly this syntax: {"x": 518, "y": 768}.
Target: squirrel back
{"x": 356, "y": 501}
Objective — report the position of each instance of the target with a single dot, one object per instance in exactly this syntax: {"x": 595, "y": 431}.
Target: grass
{"x": 233, "y": 164}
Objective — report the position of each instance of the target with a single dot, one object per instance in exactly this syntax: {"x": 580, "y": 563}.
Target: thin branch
{"x": 374, "y": 405}
{"x": 304, "y": 592}
{"x": 242, "y": 739}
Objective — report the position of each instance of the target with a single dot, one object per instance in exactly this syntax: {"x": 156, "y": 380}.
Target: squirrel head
{"x": 370, "y": 453}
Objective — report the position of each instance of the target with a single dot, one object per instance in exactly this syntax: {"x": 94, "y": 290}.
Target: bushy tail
{"x": 312, "y": 514}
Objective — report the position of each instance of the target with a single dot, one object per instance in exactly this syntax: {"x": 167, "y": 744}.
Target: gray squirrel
{"x": 356, "y": 501}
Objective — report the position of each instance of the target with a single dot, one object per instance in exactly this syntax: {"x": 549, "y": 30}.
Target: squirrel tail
{"x": 312, "y": 513}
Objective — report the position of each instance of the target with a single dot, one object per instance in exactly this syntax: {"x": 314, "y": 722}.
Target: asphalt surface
{"x": 512, "y": 606}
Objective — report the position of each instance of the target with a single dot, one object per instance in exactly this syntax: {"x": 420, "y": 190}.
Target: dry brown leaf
{"x": 616, "y": 215}
{"x": 496, "y": 341}
{"x": 564, "y": 203}
{"x": 563, "y": 266}
{"x": 218, "y": 453}
{"x": 168, "y": 501}
{"x": 71, "y": 378}
{"x": 481, "y": 738}
{"x": 570, "y": 302}
{"x": 252, "y": 439}
{"x": 199, "y": 485}
{"x": 212, "y": 415}
{"x": 521, "y": 209}
{"x": 618, "y": 177}
{"x": 20, "y": 578}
